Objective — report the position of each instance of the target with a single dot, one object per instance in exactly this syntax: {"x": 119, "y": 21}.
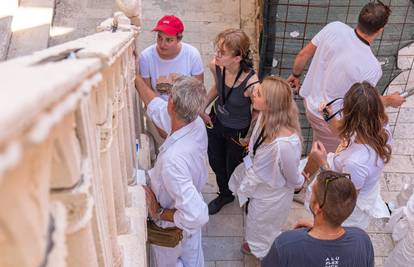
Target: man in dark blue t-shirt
{"x": 325, "y": 243}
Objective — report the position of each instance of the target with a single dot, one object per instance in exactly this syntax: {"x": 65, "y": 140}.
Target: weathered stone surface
{"x": 225, "y": 225}
{"x": 403, "y": 147}
{"x": 211, "y": 185}
{"x": 382, "y": 243}
{"x": 31, "y": 35}
{"x": 396, "y": 181}
{"x": 222, "y": 248}
{"x": 400, "y": 164}
{"x": 229, "y": 264}
{"x": 406, "y": 115}
{"x": 210, "y": 264}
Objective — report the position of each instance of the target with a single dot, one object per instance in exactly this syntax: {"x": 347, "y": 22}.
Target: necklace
{"x": 337, "y": 234}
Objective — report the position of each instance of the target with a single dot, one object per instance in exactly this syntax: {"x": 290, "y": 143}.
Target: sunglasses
{"x": 329, "y": 178}
{"x": 325, "y": 112}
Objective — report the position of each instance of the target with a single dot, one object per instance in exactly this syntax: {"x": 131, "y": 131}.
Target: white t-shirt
{"x": 188, "y": 62}
{"x": 362, "y": 163}
{"x": 341, "y": 59}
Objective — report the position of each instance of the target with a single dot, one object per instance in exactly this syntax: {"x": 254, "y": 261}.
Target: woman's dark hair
{"x": 238, "y": 43}
{"x": 364, "y": 117}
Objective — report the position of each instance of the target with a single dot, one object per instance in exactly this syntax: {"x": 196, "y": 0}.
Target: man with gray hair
{"x": 174, "y": 196}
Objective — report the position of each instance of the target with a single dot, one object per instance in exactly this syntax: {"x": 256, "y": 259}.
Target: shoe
{"x": 216, "y": 204}
{"x": 245, "y": 249}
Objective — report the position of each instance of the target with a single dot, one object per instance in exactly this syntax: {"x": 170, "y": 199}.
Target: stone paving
{"x": 223, "y": 234}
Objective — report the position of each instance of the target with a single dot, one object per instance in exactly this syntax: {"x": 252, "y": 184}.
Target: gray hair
{"x": 188, "y": 95}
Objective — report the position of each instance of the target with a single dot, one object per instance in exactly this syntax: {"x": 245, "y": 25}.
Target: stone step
{"x": 7, "y": 9}
{"x": 134, "y": 243}
{"x": 31, "y": 26}
{"x": 132, "y": 246}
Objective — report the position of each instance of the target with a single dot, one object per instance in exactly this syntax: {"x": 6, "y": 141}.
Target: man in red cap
{"x": 162, "y": 62}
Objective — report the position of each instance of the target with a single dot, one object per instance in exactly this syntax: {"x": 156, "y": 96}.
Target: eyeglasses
{"x": 325, "y": 111}
{"x": 220, "y": 53}
{"x": 331, "y": 176}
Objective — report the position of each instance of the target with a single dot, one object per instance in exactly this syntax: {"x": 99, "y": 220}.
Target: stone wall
{"x": 67, "y": 156}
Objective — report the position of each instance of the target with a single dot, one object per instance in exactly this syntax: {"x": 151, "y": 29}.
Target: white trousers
{"x": 189, "y": 253}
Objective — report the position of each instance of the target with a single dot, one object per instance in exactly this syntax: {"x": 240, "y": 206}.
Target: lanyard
{"x": 223, "y": 82}
{"x": 260, "y": 139}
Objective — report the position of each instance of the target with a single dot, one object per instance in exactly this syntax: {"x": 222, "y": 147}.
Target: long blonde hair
{"x": 281, "y": 108}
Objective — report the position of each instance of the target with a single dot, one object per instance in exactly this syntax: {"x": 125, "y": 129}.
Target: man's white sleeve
{"x": 191, "y": 211}
{"x": 322, "y": 34}
{"x": 289, "y": 165}
{"x": 197, "y": 67}
{"x": 144, "y": 66}
{"x": 158, "y": 113}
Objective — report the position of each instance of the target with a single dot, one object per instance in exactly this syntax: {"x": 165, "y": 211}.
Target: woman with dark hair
{"x": 229, "y": 121}
{"x": 364, "y": 150}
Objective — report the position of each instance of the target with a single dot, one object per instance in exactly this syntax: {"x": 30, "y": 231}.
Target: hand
{"x": 206, "y": 118}
{"x": 244, "y": 141}
{"x": 318, "y": 153}
{"x": 395, "y": 100}
{"x": 322, "y": 106}
{"x": 294, "y": 83}
{"x": 303, "y": 223}
{"x": 151, "y": 201}
{"x": 306, "y": 176}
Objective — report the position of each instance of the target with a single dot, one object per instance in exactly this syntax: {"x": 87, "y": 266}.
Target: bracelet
{"x": 296, "y": 75}
{"x": 324, "y": 167}
{"x": 159, "y": 213}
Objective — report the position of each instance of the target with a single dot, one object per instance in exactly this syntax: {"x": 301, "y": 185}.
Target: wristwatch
{"x": 296, "y": 75}
{"x": 324, "y": 167}
{"x": 160, "y": 210}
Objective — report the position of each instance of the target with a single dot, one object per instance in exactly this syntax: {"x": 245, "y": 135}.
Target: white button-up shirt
{"x": 180, "y": 171}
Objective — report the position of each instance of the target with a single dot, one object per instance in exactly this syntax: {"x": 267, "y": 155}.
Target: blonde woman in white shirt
{"x": 364, "y": 150}
{"x": 269, "y": 174}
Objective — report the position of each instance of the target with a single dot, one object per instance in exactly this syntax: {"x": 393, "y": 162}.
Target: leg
{"x": 216, "y": 154}
{"x": 217, "y": 157}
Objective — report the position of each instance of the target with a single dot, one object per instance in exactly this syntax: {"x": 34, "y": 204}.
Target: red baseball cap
{"x": 170, "y": 25}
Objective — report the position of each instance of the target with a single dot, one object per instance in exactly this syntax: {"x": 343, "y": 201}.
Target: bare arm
{"x": 148, "y": 82}
{"x": 300, "y": 62}
{"x": 393, "y": 100}
{"x": 145, "y": 92}
{"x": 211, "y": 95}
{"x": 200, "y": 77}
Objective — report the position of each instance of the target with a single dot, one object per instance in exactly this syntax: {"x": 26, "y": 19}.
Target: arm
{"x": 154, "y": 207}
{"x": 145, "y": 92}
{"x": 393, "y": 100}
{"x": 199, "y": 77}
{"x": 197, "y": 69}
{"x": 255, "y": 113}
{"x": 333, "y": 123}
{"x": 211, "y": 95}
{"x": 300, "y": 62}
{"x": 289, "y": 162}
{"x": 148, "y": 82}
{"x": 191, "y": 211}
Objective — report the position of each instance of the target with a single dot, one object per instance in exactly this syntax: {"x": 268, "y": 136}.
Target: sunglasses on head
{"x": 329, "y": 178}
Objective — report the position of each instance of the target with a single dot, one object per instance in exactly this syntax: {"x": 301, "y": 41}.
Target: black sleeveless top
{"x": 238, "y": 106}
